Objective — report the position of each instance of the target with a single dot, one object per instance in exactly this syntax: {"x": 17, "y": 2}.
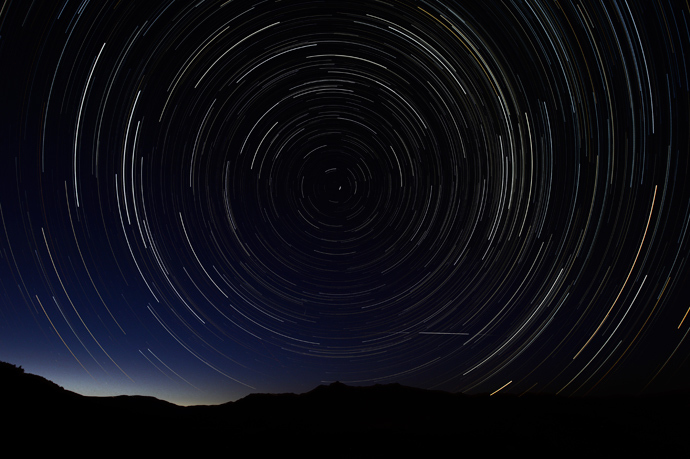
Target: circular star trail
{"x": 205, "y": 199}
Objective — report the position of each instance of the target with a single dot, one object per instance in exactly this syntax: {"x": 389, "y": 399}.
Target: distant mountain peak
{"x": 402, "y": 420}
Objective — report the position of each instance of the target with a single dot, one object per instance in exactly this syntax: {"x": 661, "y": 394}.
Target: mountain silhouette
{"x": 342, "y": 421}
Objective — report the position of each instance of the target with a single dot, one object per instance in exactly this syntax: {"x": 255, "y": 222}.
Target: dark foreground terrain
{"x": 340, "y": 421}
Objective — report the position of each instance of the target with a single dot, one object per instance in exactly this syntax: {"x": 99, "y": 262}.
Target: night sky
{"x": 204, "y": 199}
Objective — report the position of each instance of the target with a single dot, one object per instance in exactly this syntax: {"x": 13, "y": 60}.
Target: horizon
{"x": 203, "y": 200}
{"x": 331, "y": 384}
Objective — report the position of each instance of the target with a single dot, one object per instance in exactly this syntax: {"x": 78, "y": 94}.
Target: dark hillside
{"x": 344, "y": 421}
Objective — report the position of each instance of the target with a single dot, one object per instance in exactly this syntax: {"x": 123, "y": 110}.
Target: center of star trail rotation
{"x": 243, "y": 195}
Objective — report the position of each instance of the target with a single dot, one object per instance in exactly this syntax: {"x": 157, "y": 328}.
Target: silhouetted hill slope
{"x": 337, "y": 420}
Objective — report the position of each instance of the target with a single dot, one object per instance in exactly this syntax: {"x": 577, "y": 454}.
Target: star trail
{"x": 205, "y": 199}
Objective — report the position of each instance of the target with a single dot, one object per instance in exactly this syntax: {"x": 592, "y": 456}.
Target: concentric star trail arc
{"x": 205, "y": 199}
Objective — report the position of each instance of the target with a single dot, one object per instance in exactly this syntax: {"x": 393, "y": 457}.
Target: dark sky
{"x": 205, "y": 199}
